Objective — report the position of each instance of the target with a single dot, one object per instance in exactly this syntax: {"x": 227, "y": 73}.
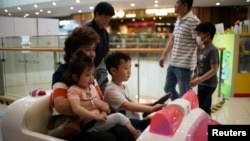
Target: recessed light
{"x": 77, "y": 1}
{"x": 26, "y": 15}
{"x": 48, "y": 11}
{"x": 5, "y": 10}
{"x": 9, "y": 14}
{"x": 71, "y": 8}
{"x": 37, "y": 13}
{"x": 217, "y": 3}
{"x": 79, "y": 11}
{"x": 54, "y": 3}
{"x": 35, "y": 5}
{"x": 18, "y": 8}
{"x": 132, "y": 4}
{"x": 91, "y": 7}
{"x": 41, "y": 10}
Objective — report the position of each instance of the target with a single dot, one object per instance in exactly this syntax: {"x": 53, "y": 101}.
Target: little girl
{"x": 80, "y": 77}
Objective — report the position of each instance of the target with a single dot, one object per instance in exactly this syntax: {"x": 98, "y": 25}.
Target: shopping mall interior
{"x": 30, "y": 52}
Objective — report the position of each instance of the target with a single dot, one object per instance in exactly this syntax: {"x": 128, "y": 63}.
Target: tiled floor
{"x": 234, "y": 111}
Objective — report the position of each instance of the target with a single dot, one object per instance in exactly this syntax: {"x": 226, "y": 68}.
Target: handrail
{"x": 128, "y": 50}
{"x": 43, "y": 49}
{"x": 56, "y": 49}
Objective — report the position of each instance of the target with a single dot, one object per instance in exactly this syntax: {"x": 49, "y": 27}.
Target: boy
{"x": 117, "y": 94}
{"x": 79, "y": 76}
{"x": 208, "y": 60}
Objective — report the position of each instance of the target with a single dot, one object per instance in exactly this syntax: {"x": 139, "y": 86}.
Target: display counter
{"x": 242, "y": 75}
{"x": 235, "y": 68}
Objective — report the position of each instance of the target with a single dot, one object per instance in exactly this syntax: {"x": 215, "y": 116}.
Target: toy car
{"x": 181, "y": 120}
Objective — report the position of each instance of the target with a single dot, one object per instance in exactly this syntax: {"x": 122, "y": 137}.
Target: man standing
{"x": 103, "y": 13}
{"x": 183, "y": 47}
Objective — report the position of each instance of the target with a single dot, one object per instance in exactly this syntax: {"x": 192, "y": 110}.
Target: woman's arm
{"x": 84, "y": 113}
{"x": 60, "y": 102}
{"x": 62, "y": 105}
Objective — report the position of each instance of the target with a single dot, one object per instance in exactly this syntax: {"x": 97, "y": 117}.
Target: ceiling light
{"x": 79, "y": 11}
{"x": 26, "y": 15}
{"x": 91, "y": 7}
{"x": 71, "y": 8}
{"x": 132, "y": 4}
{"x": 217, "y": 3}
{"x": 48, "y": 11}
{"x": 37, "y": 13}
{"x": 41, "y": 10}
{"x": 35, "y": 5}
{"x": 9, "y": 14}
{"x": 156, "y": 5}
{"x": 77, "y": 1}
{"x": 18, "y": 8}
{"x": 247, "y": 0}
{"x": 5, "y": 10}
{"x": 156, "y": 1}
{"x": 54, "y": 3}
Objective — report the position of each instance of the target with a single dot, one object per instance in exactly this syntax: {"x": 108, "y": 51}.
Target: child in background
{"x": 117, "y": 94}
{"x": 80, "y": 77}
{"x": 208, "y": 60}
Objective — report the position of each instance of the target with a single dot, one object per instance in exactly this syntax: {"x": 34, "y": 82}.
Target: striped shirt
{"x": 184, "y": 49}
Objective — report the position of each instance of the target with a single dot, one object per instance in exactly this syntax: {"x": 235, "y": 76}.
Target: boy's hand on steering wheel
{"x": 158, "y": 107}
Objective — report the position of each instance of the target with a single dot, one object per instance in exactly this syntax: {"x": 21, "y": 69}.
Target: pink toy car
{"x": 181, "y": 120}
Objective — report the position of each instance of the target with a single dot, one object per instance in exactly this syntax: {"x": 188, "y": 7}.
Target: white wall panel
{"x": 48, "y": 26}
{"x": 25, "y": 26}
{"x": 6, "y": 26}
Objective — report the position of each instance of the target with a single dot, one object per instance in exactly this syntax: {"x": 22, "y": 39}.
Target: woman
{"x": 85, "y": 39}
